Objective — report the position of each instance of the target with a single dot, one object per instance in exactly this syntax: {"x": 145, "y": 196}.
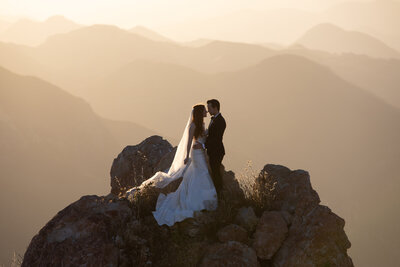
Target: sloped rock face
{"x": 315, "y": 239}
{"x": 138, "y": 163}
{"x": 232, "y": 232}
{"x": 292, "y": 191}
{"x": 247, "y": 218}
{"x": 85, "y": 233}
{"x": 270, "y": 234}
{"x": 231, "y": 253}
{"x": 315, "y": 234}
{"x": 280, "y": 224}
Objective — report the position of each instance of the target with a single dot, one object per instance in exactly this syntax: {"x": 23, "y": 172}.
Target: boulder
{"x": 270, "y": 233}
{"x": 85, "y": 233}
{"x": 139, "y": 162}
{"x": 315, "y": 239}
{"x": 231, "y": 253}
{"x": 292, "y": 190}
{"x": 247, "y": 218}
{"x": 315, "y": 235}
{"x": 232, "y": 232}
{"x": 202, "y": 225}
{"x": 232, "y": 191}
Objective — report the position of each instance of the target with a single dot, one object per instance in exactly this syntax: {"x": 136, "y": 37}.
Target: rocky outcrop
{"x": 279, "y": 223}
{"x": 231, "y": 253}
{"x": 270, "y": 234}
{"x": 85, "y": 233}
{"x": 247, "y": 218}
{"x": 232, "y": 232}
{"x": 315, "y": 234}
{"x": 138, "y": 163}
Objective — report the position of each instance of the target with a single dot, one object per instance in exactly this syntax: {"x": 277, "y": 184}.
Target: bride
{"x": 196, "y": 192}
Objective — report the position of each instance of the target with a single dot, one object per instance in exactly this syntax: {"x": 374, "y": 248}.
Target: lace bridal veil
{"x": 161, "y": 179}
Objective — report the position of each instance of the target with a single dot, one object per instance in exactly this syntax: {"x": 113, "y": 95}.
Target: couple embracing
{"x": 199, "y": 189}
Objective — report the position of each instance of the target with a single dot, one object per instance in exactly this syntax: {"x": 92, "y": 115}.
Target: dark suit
{"x": 215, "y": 149}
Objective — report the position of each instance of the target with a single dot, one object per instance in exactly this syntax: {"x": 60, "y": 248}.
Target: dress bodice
{"x": 201, "y": 139}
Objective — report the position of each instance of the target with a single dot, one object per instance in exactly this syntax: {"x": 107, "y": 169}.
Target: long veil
{"x": 161, "y": 179}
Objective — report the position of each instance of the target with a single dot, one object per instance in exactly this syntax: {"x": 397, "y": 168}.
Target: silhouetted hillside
{"x": 328, "y": 37}
{"x": 150, "y": 34}
{"x": 32, "y": 33}
{"x": 53, "y": 149}
{"x": 378, "y": 18}
{"x": 379, "y": 76}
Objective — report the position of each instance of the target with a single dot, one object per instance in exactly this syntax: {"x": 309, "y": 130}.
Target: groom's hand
{"x": 197, "y": 146}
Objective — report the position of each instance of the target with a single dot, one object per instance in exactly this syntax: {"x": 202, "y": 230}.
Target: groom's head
{"x": 213, "y": 106}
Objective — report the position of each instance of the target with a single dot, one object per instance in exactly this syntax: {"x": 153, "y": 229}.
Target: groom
{"x": 215, "y": 147}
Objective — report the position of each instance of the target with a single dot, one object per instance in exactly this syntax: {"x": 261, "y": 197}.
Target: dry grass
{"x": 16, "y": 260}
{"x": 257, "y": 187}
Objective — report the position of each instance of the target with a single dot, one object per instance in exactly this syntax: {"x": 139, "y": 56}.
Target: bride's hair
{"x": 198, "y": 115}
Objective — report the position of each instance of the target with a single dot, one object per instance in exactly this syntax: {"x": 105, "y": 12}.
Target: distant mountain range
{"x": 377, "y": 18}
{"x": 54, "y": 148}
{"x": 379, "y": 76}
{"x": 32, "y": 33}
{"x": 150, "y": 34}
{"x": 282, "y": 26}
{"x": 297, "y": 106}
{"x": 328, "y": 37}
{"x": 65, "y": 59}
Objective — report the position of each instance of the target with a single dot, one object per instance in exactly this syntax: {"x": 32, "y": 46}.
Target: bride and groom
{"x": 199, "y": 190}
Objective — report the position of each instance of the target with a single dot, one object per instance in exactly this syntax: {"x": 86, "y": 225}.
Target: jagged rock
{"x": 270, "y": 233}
{"x": 247, "y": 218}
{"x": 86, "y": 232}
{"x": 231, "y": 188}
{"x": 119, "y": 229}
{"x": 231, "y": 253}
{"x": 203, "y": 224}
{"x": 165, "y": 161}
{"x": 232, "y": 232}
{"x": 287, "y": 217}
{"x": 292, "y": 189}
{"x": 316, "y": 236}
{"x": 138, "y": 163}
{"x": 315, "y": 239}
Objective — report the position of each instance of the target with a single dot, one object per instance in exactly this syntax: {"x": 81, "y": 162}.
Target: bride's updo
{"x": 198, "y": 115}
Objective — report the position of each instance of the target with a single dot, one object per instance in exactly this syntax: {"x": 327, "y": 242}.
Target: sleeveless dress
{"x": 195, "y": 193}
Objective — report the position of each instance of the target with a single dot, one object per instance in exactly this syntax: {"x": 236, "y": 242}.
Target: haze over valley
{"x": 309, "y": 86}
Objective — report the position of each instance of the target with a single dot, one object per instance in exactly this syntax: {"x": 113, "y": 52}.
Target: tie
{"x": 211, "y": 121}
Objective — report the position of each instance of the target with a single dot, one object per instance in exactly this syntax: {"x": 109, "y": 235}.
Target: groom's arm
{"x": 215, "y": 136}
{"x": 219, "y": 130}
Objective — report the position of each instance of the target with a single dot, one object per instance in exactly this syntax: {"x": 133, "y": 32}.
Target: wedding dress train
{"x": 196, "y": 192}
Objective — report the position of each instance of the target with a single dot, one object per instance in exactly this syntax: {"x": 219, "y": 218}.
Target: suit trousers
{"x": 215, "y": 165}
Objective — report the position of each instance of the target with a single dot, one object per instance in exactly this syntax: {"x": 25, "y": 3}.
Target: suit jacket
{"x": 213, "y": 142}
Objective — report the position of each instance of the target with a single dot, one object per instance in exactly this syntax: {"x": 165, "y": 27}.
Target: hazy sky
{"x": 152, "y": 13}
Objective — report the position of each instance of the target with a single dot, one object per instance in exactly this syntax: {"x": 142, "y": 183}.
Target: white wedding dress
{"x": 196, "y": 192}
